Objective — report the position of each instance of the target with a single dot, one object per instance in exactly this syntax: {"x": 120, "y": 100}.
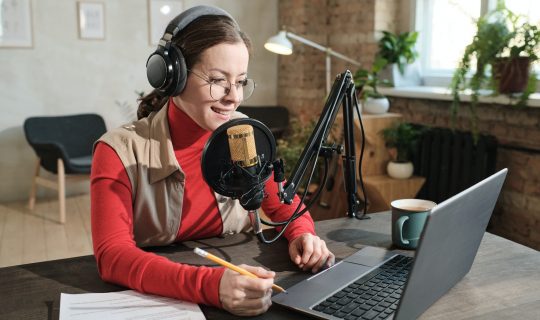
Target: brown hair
{"x": 201, "y": 34}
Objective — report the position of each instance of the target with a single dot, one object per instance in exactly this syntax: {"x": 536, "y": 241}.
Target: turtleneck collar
{"x": 184, "y": 131}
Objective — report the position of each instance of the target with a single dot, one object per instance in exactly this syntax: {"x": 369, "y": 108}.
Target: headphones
{"x": 166, "y": 68}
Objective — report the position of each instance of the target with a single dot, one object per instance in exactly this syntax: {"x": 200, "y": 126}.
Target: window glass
{"x": 528, "y": 8}
{"x": 450, "y": 27}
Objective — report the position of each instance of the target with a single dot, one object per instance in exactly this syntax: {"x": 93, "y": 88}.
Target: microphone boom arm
{"x": 343, "y": 92}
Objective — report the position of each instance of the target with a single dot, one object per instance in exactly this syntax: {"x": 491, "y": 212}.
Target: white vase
{"x": 400, "y": 170}
{"x": 411, "y": 76}
{"x": 376, "y": 105}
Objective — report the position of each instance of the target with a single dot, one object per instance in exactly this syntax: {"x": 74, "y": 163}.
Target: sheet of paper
{"x": 125, "y": 305}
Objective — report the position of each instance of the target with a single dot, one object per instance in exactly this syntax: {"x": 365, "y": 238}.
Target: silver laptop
{"x": 375, "y": 283}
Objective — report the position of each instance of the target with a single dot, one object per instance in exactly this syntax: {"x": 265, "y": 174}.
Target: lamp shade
{"x": 279, "y": 44}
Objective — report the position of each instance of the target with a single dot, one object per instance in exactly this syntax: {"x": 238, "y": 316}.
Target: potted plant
{"x": 367, "y": 82}
{"x": 511, "y": 73}
{"x": 504, "y": 46}
{"x": 400, "y": 53}
{"x": 400, "y": 139}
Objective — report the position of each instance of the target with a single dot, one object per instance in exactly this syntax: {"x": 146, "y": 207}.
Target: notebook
{"x": 374, "y": 283}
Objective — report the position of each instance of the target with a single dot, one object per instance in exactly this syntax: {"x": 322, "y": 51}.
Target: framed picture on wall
{"x": 16, "y": 24}
{"x": 91, "y": 18}
{"x": 160, "y": 13}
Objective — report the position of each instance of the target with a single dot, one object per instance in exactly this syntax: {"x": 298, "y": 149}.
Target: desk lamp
{"x": 280, "y": 44}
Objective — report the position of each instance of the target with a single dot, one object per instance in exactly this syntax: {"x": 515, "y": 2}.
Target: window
{"x": 448, "y": 26}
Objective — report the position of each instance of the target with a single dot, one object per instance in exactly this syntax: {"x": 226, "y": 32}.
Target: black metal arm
{"x": 343, "y": 92}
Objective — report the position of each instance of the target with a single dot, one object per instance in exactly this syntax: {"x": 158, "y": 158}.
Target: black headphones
{"x": 166, "y": 67}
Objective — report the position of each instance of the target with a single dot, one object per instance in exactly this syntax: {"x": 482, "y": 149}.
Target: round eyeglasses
{"x": 219, "y": 88}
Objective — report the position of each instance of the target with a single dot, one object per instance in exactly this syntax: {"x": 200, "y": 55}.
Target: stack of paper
{"x": 125, "y": 305}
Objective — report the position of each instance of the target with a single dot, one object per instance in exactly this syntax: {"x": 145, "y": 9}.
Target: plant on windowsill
{"x": 500, "y": 54}
{"x": 367, "y": 83}
{"x": 400, "y": 139}
{"x": 400, "y": 53}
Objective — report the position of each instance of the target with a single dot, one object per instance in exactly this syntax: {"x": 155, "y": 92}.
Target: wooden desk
{"x": 503, "y": 283}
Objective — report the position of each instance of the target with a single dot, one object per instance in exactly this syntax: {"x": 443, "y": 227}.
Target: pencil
{"x": 231, "y": 266}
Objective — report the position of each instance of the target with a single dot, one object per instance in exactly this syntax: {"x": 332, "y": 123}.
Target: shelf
{"x": 382, "y": 190}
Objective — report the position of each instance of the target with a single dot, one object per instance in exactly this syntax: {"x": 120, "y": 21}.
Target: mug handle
{"x": 399, "y": 224}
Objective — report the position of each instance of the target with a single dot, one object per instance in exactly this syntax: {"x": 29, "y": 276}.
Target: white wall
{"x": 62, "y": 74}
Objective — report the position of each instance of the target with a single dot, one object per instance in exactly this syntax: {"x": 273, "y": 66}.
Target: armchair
{"x": 63, "y": 145}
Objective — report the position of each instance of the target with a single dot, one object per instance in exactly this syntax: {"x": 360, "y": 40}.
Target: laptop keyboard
{"x": 374, "y": 296}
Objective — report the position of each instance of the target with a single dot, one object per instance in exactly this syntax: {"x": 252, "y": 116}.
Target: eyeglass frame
{"x": 237, "y": 85}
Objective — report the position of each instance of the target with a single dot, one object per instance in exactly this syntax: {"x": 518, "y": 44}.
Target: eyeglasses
{"x": 219, "y": 88}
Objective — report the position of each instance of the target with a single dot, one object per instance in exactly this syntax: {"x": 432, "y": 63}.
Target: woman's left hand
{"x": 310, "y": 252}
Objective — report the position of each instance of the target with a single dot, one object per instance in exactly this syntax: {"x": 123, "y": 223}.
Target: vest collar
{"x": 162, "y": 160}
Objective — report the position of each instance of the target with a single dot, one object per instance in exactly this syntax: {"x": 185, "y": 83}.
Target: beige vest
{"x": 157, "y": 181}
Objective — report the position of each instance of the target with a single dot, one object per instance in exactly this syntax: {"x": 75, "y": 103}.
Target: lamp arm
{"x": 320, "y": 47}
{"x": 319, "y": 134}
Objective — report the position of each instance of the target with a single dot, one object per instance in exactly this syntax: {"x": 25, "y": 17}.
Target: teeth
{"x": 226, "y": 113}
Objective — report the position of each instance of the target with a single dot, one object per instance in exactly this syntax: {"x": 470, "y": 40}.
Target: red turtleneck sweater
{"x": 119, "y": 259}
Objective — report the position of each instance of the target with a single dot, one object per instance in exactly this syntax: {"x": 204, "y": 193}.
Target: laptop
{"x": 374, "y": 283}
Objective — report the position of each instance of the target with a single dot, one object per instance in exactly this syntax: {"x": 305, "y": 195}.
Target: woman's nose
{"x": 234, "y": 94}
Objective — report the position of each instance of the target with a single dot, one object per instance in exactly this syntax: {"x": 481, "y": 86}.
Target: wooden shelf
{"x": 376, "y": 154}
{"x": 382, "y": 190}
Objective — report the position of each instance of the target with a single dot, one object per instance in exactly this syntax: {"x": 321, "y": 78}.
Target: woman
{"x": 147, "y": 186}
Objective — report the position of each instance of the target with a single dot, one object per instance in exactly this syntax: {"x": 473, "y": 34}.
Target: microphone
{"x": 245, "y": 164}
{"x": 242, "y": 146}
{"x": 237, "y": 161}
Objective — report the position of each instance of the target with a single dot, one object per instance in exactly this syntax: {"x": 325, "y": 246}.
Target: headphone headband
{"x": 165, "y": 68}
{"x": 186, "y": 17}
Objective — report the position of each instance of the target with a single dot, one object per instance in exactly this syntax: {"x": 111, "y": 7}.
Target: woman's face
{"x": 217, "y": 64}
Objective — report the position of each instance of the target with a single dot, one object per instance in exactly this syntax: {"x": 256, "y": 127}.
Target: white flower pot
{"x": 376, "y": 105}
{"x": 410, "y": 78}
{"x": 400, "y": 170}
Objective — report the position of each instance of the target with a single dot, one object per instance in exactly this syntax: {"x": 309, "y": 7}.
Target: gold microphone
{"x": 242, "y": 145}
{"x": 244, "y": 154}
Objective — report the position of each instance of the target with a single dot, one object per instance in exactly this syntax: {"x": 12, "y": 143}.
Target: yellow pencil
{"x": 231, "y": 266}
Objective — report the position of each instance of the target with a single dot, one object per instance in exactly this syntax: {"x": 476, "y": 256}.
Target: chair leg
{"x": 61, "y": 190}
{"x": 32, "y": 198}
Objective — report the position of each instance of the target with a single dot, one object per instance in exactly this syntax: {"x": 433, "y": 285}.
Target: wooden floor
{"x": 27, "y": 237}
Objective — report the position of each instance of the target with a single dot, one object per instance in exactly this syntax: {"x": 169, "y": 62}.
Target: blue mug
{"x": 408, "y": 219}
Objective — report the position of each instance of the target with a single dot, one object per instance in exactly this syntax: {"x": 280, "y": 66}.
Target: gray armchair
{"x": 63, "y": 145}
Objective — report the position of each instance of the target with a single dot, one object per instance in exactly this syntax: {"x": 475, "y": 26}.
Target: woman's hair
{"x": 201, "y": 34}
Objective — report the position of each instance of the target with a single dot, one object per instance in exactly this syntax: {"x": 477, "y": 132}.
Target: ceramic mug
{"x": 408, "y": 219}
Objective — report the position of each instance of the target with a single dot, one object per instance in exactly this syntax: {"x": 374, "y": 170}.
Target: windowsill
{"x": 441, "y": 93}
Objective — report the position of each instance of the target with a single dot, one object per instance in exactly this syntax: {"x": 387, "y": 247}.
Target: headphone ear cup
{"x": 180, "y": 72}
{"x": 158, "y": 71}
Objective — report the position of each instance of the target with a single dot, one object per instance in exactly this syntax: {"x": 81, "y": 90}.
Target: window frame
{"x": 436, "y": 77}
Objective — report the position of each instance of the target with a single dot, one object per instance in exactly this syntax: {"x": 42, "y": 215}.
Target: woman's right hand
{"x": 245, "y": 296}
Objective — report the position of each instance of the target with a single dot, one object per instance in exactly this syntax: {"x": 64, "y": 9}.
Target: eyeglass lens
{"x": 243, "y": 88}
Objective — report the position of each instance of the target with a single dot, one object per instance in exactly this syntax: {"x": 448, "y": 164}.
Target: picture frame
{"x": 16, "y": 20}
{"x": 91, "y": 20}
{"x": 160, "y": 13}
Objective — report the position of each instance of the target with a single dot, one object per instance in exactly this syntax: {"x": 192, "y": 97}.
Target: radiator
{"x": 451, "y": 162}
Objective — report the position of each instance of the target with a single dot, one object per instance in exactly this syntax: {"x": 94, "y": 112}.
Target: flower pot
{"x": 511, "y": 74}
{"x": 410, "y": 77}
{"x": 400, "y": 170}
{"x": 376, "y": 105}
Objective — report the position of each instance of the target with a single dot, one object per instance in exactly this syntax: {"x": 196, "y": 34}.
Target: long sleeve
{"x": 119, "y": 260}
{"x": 281, "y": 212}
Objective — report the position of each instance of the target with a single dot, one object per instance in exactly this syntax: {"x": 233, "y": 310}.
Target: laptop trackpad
{"x": 370, "y": 256}
{"x": 314, "y": 289}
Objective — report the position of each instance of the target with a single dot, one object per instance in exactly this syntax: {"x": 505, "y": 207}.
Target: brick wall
{"x": 346, "y": 26}
{"x": 517, "y": 215}
{"x": 352, "y": 28}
